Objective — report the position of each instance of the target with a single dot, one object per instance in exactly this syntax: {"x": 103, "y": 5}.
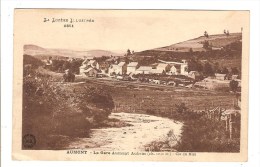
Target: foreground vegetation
{"x": 55, "y": 112}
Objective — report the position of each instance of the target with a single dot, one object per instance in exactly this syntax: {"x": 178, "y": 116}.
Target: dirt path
{"x": 144, "y": 130}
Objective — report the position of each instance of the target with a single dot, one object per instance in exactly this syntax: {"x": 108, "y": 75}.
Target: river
{"x": 144, "y": 130}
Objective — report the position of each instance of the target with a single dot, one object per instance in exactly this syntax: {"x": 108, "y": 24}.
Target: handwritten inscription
{"x": 68, "y": 22}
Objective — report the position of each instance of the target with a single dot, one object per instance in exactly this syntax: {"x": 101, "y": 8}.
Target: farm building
{"x": 143, "y": 70}
{"x": 131, "y": 67}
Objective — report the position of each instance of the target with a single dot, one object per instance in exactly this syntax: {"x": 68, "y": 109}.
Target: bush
{"x": 233, "y": 85}
{"x": 181, "y": 108}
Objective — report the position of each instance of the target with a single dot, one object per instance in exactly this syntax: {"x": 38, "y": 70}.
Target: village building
{"x": 143, "y": 70}
{"x": 122, "y": 67}
{"x": 184, "y": 69}
{"x": 91, "y": 72}
{"x": 113, "y": 69}
{"x": 88, "y": 63}
{"x": 221, "y": 77}
{"x": 131, "y": 67}
{"x": 175, "y": 70}
{"x": 118, "y": 69}
{"x": 161, "y": 68}
{"x": 183, "y": 66}
{"x": 104, "y": 66}
{"x": 194, "y": 75}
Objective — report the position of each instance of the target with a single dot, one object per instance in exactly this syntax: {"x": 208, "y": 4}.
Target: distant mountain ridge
{"x": 35, "y": 50}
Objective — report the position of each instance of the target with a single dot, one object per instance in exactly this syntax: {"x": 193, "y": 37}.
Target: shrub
{"x": 181, "y": 108}
{"x": 233, "y": 85}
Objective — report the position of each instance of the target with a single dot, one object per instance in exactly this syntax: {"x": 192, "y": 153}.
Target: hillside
{"x": 226, "y": 51}
{"x": 35, "y": 50}
{"x": 216, "y": 41}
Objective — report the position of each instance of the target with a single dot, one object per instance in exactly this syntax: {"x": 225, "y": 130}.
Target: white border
{"x": 7, "y": 8}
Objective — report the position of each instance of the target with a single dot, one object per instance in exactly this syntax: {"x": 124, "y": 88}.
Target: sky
{"x": 118, "y": 30}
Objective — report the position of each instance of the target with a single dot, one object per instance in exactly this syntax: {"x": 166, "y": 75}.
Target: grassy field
{"x": 163, "y": 99}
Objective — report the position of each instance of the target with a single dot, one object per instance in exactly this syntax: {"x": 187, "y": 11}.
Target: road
{"x": 144, "y": 130}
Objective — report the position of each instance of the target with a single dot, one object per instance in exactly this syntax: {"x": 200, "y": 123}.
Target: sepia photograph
{"x": 170, "y": 85}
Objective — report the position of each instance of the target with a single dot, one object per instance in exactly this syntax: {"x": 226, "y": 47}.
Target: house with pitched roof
{"x": 131, "y": 67}
{"x": 161, "y": 68}
{"x": 118, "y": 69}
{"x": 86, "y": 64}
{"x": 183, "y": 66}
{"x": 91, "y": 72}
{"x": 175, "y": 70}
{"x": 143, "y": 70}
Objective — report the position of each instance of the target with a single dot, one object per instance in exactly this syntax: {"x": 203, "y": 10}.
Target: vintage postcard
{"x": 130, "y": 85}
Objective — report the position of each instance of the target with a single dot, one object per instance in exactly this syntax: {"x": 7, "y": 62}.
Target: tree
{"x": 128, "y": 52}
{"x": 227, "y": 33}
{"x": 181, "y": 108}
{"x": 233, "y": 85}
{"x": 234, "y": 71}
{"x": 74, "y": 66}
{"x": 127, "y": 60}
{"x": 216, "y": 67}
{"x": 206, "y": 34}
{"x": 163, "y": 73}
{"x": 194, "y": 65}
{"x": 224, "y": 70}
{"x": 65, "y": 66}
{"x": 208, "y": 71}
